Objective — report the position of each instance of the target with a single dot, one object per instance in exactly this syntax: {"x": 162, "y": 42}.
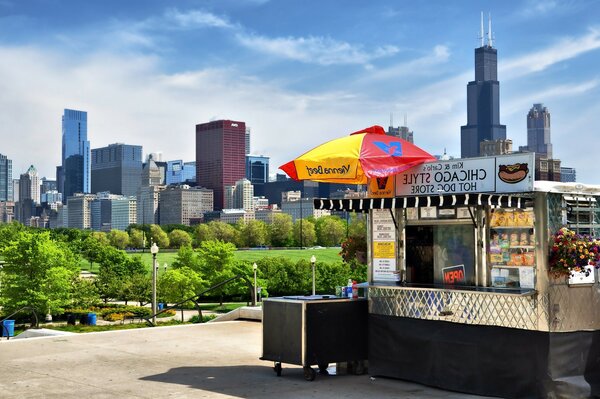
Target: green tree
{"x": 307, "y": 228}
{"x": 223, "y": 231}
{"x": 177, "y": 285}
{"x": 38, "y": 273}
{"x": 179, "y": 238}
{"x": 202, "y": 232}
{"x": 158, "y": 236}
{"x": 187, "y": 257}
{"x": 118, "y": 239}
{"x": 216, "y": 259}
{"x": 253, "y": 233}
{"x": 330, "y": 231}
{"x": 281, "y": 230}
{"x": 10, "y": 232}
{"x": 85, "y": 293}
{"x": 136, "y": 238}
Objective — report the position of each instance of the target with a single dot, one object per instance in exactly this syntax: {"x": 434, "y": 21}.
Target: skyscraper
{"x": 538, "y": 132}
{"x": 29, "y": 195}
{"x": 6, "y": 180}
{"x": 117, "y": 169}
{"x": 257, "y": 169}
{"x": 74, "y": 174}
{"x": 483, "y": 103}
{"x": 220, "y": 156}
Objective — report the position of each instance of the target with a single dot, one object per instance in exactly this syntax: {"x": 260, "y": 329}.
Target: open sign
{"x": 454, "y": 274}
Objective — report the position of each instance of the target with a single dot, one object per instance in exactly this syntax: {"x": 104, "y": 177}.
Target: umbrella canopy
{"x": 353, "y": 159}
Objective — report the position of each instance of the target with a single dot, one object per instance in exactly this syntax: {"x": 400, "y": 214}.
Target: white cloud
{"x": 314, "y": 50}
{"x": 193, "y": 19}
{"x": 563, "y": 50}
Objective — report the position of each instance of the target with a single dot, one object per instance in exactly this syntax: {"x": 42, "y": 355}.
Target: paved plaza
{"x": 213, "y": 360}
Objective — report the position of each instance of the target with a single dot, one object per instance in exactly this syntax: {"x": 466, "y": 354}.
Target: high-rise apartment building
{"x": 538, "y": 132}
{"x": 6, "y": 180}
{"x": 220, "y": 156}
{"x": 257, "y": 169}
{"x": 74, "y": 174}
{"x": 79, "y": 212}
{"x": 184, "y": 205}
{"x": 117, "y": 169}
{"x": 243, "y": 195}
{"x": 483, "y": 100}
{"x": 29, "y": 195}
{"x": 247, "y": 141}
{"x": 112, "y": 212}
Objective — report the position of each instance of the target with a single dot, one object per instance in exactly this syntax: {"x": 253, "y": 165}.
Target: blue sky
{"x": 297, "y": 72}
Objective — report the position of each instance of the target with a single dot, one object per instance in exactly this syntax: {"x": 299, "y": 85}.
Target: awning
{"x": 454, "y": 200}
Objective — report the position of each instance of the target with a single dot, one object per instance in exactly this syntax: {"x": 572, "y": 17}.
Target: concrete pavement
{"x": 213, "y": 360}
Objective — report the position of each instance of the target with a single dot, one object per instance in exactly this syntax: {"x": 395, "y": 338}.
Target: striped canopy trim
{"x": 454, "y": 200}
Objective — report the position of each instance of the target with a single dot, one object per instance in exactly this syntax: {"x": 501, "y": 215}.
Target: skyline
{"x": 147, "y": 73}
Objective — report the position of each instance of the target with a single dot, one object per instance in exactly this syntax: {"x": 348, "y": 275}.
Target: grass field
{"x": 326, "y": 255}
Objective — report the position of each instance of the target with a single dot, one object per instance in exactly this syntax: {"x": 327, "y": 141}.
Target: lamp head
{"x": 254, "y": 266}
{"x": 313, "y": 259}
{"x": 154, "y": 249}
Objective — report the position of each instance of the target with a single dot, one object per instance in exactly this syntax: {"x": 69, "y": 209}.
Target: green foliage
{"x": 309, "y": 236}
{"x": 158, "y": 236}
{"x": 223, "y": 231}
{"x": 179, "y": 238}
{"x": 85, "y": 293}
{"x": 177, "y": 285}
{"x": 38, "y": 273}
{"x": 253, "y": 233}
{"x": 9, "y": 232}
{"x": 216, "y": 260}
{"x": 196, "y": 319}
{"x": 187, "y": 257}
{"x": 203, "y": 232}
{"x": 330, "y": 230}
{"x": 280, "y": 230}
{"x": 118, "y": 239}
{"x": 136, "y": 238}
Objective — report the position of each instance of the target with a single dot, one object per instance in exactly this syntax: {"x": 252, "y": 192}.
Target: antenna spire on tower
{"x": 481, "y": 36}
{"x": 391, "y": 119}
{"x": 490, "y": 40}
{"x": 405, "y": 123}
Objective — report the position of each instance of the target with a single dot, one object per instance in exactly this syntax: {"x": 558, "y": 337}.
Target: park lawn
{"x": 326, "y": 255}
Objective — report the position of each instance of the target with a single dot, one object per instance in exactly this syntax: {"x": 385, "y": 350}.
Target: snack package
{"x": 521, "y": 219}
{"x": 528, "y": 259}
{"x": 514, "y": 239}
{"x": 516, "y": 260}
{"x": 496, "y": 258}
{"x": 524, "y": 239}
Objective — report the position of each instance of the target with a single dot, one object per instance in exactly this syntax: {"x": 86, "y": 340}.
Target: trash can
{"x": 91, "y": 319}
{"x": 8, "y": 328}
{"x": 161, "y": 306}
{"x": 71, "y": 319}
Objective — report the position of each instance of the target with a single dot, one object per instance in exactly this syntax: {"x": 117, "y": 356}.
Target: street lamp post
{"x": 313, "y": 259}
{"x": 154, "y": 251}
{"x": 254, "y": 267}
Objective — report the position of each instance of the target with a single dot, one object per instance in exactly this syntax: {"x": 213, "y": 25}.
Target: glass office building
{"x": 117, "y": 169}
{"x": 74, "y": 174}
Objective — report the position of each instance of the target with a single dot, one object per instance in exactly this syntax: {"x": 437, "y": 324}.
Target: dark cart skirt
{"x": 485, "y": 360}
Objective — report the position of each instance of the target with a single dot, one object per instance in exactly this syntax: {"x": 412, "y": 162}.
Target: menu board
{"x": 384, "y": 245}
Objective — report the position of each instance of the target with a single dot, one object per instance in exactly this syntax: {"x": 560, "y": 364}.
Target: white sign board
{"x": 502, "y": 174}
{"x": 384, "y": 245}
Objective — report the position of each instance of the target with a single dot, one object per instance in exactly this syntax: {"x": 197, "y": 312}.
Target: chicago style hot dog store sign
{"x": 501, "y": 174}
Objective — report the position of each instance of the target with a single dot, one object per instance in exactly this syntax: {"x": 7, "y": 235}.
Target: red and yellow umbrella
{"x": 353, "y": 159}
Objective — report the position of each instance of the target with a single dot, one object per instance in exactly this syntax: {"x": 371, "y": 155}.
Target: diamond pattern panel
{"x": 573, "y": 308}
{"x": 466, "y": 307}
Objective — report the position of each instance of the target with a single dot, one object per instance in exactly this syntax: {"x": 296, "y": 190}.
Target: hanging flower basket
{"x": 572, "y": 252}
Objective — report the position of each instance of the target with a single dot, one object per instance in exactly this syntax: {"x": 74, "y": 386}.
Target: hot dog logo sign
{"x": 501, "y": 174}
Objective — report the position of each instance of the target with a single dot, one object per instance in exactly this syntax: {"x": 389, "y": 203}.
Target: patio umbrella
{"x": 368, "y": 153}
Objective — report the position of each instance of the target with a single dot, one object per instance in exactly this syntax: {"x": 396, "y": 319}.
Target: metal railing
{"x": 5, "y": 329}
{"x": 196, "y": 297}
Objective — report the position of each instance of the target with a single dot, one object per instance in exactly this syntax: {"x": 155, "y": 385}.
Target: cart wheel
{"x": 323, "y": 368}
{"x": 309, "y": 373}
{"x": 277, "y": 369}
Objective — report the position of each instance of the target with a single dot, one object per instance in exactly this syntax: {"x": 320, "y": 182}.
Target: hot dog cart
{"x": 460, "y": 294}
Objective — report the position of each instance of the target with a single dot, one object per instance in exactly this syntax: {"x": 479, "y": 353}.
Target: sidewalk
{"x": 214, "y": 360}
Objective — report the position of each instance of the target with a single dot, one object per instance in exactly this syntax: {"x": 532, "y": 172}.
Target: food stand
{"x": 460, "y": 294}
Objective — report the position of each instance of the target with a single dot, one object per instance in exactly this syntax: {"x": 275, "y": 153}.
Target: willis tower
{"x": 483, "y": 104}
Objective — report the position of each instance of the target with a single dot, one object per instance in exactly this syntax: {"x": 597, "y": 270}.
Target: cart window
{"x": 442, "y": 254}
